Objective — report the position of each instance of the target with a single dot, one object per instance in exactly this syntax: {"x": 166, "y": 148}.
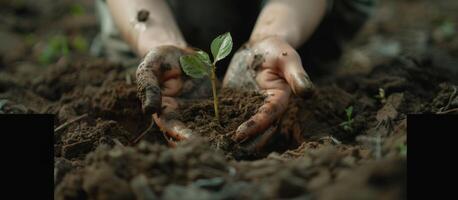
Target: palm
{"x": 162, "y": 86}
{"x": 274, "y": 68}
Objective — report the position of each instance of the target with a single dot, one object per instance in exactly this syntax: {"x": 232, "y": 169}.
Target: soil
{"x": 312, "y": 156}
{"x": 235, "y": 107}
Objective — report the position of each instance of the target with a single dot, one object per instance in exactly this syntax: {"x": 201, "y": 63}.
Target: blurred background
{"x": 37, "y": 33}
{"x": 34, "y": 34}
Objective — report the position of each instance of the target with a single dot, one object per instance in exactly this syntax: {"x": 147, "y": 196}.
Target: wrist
{"x": 148, "y": 41}
{"x": 287, "y": 37}
{"x": 276, "y": 37}
{"x": 294, "y": 21}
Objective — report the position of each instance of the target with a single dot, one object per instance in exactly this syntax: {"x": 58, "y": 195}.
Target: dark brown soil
{"x": 312, "y": 156}
{"x": 331, "y": 160}
{"x": 235, "y": 107}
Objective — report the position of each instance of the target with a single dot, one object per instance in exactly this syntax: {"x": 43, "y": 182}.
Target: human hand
{"x": 162, "y": 86}
{"x": 272, "y": 67}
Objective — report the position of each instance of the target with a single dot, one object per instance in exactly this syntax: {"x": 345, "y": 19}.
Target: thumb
{"x": 295, "y": 75}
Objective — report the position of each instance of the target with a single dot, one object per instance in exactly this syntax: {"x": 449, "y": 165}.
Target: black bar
{"x": 26, "y": 155}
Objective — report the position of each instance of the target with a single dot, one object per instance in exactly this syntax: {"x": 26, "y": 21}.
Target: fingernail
{"x": 238, "y": 134}
{"x": 304, "y": 86}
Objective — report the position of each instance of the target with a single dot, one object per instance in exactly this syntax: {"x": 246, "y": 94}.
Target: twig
{"x": 449, "y": 101}
{"x": 448, "y": 111}
{"x": 128, "y": 79}
{"x": 378, "y": 147}
{"x": 137, "y": 139}
{"x": 69, "y": 122}
{"x": 334, "y": 140}
{"x": 115, "y": 140}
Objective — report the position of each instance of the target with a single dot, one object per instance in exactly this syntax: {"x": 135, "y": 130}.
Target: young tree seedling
{"x": 199, "y": 65}
{"x": 347, "y": 125}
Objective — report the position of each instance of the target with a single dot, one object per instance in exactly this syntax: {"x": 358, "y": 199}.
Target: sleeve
{"x": 343, "y": 20}
{"x": 350, "y": 15}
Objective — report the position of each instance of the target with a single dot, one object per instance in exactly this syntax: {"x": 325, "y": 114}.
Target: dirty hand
{"x": 162, "y": 86}
{"x": 272, "y": 67}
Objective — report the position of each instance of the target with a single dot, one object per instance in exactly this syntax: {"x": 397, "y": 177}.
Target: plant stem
{"x": 215, "y": 97}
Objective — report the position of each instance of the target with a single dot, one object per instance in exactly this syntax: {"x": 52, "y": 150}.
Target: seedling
{"x": 80, "y": 44}
{"x": 381, "y": 95}
{"x": 403, "y": 149}
{"x": 56, "y": 47}
{"x": 199, "y": 65}
{"x": 445, "y": 31}
{"x": 347, "y": 125}
{"x": 77, "y": 10}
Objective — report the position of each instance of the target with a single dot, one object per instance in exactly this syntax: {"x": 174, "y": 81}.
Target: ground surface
{"x": 404, "y": 61}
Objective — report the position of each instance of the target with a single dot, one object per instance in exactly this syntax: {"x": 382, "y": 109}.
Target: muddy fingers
{"x": 274, "y": 105}
{"x": 290, "y": 65}
{"x": 173, "y": 128}
{"x": 159, "y": 74}
{"x": 298, "y": 80}
{"x": 259, "y": 142}
{"x": 148, "y": 89}
{"x": 167, "y": 122}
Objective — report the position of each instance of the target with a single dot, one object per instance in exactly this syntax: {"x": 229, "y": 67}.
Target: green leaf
{"x": 403, "y": 149}
{"x": 221, "y": 46}
{"x": 203, "y": 56}
{"x": 56, "y": 47}
{"x": 193, "y": 66}
{"x": 80, "y": 44}
{"x": 77, "y": 10}
{"x": 448, "y": 29}
{"x": 30, "y": 39}
{"x": 349, "y": 111}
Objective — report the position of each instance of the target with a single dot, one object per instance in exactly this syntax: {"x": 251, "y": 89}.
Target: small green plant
{"x": 30, "y": 39}
{"x": 347, "y": 125}
{"x": 199, "y": 65}
{"x": 80, "y": 44}
{"x": 445, "y": 30}
{"x": 77, "y": 10}
{"x": 381, "y": 95}
{"x": 56, "y": 47}
{"x": 403, "y": 149}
